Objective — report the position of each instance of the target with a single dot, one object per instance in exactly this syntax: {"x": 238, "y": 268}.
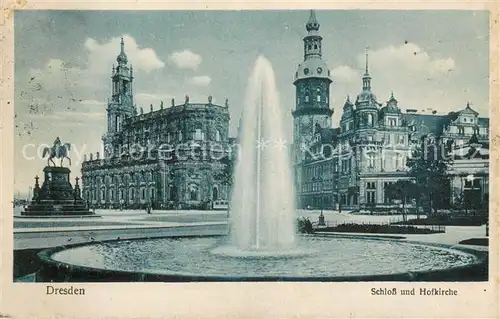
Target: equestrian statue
{"x": 59, "y": 150}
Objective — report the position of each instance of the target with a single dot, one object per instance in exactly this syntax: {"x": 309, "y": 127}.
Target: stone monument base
{"x": 56, "y": 197}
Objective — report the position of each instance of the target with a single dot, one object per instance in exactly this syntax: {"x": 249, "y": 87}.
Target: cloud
{"x": 344, "y": 74}
{"x": 409, "y": 57}
{"x": 202, "y": 80}
{"x": 185, "y": 59}
{"x": 416, "y": 77}
{"x": 92, "y": 102}
{"x": 102, "y": 55}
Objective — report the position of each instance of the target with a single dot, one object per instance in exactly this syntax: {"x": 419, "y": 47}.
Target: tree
{"x": 402, "y": 190}
{"x": 429, "y": 167}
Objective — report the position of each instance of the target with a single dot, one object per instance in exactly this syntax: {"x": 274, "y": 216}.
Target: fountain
{"x": 262, "y": 209}
{"x": 262, "y": 245}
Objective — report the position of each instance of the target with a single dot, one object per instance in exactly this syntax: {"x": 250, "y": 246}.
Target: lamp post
{"x": 321, "y": 218}
{"x": 469, "y": 178}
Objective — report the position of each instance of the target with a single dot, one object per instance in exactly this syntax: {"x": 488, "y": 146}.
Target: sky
{"x": 431, "y": 60}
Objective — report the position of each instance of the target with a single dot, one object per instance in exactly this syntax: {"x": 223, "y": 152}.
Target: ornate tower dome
{"x": 313, "y": 65}
{"x": 366, "y": 98}
{"x": 122, "y": 57}
{"x": 312, "y": 24}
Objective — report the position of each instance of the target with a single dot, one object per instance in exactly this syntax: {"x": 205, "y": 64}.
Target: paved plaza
{"x": 129, "y": 224}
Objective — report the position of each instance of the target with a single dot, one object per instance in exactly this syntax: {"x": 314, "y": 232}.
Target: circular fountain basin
{"x": 321, "y": 258}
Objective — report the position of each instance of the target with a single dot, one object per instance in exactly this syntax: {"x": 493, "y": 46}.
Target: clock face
{"x": 320, "y": 70}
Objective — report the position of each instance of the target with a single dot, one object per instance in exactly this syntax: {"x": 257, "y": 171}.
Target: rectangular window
{"x": 401, "y": 139}
{"x": 370, "y": 185}
{"x": 476, "y": 183}
{"x": 370, "y": 197}
{"x": 387, "y": 199}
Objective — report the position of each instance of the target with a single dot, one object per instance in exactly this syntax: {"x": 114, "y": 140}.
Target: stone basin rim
{"x": 45, "y": 257}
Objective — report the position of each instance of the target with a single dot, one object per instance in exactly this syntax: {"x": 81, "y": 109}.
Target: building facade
{"x": 172, "y": 157}
{"x": 349, "y": 166}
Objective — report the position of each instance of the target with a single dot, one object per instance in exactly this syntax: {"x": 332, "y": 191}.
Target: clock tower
{"x": 312, "y": 83}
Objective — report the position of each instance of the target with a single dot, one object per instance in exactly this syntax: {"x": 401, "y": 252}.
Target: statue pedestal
{"x": 56, "y": 197}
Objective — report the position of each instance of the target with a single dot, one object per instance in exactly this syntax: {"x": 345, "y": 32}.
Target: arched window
{"x": 179, "y": 134}
{"x": 217, "y": 136}
{"x": 315, "y": 46}
{"x": 371, "y": 161}
{"x": 198, "y": 135}
{"x": 369, "y": 119}
{"x": 169, "y": 137}
{"x": 399, "y": 161}
{"x": 193, "y": 192}
{"x": 215, "y": 193}
{"x": 306, "y": 98}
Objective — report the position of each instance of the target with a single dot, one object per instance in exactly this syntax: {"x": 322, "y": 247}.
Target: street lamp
{"x": 321, "y": 218}
{"x": 469, "y": 178}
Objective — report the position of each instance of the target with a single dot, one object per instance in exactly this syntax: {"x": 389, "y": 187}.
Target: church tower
{"x": 121, "y": 104}
{"x": 312, "y": 83}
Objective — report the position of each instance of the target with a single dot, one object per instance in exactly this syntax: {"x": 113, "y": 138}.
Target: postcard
{"x": 189, "y": 160}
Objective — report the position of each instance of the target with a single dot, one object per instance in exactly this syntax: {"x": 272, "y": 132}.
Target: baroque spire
{"x": 366, "y": 76}
{"x": 312, "y": 24}
{"x": 122, "y": 57}
{"x": 366, "y": 62}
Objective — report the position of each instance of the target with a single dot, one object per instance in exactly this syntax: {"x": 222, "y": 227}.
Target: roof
{"x": 429, "y": 123}
{"x": 313, "y": 67}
